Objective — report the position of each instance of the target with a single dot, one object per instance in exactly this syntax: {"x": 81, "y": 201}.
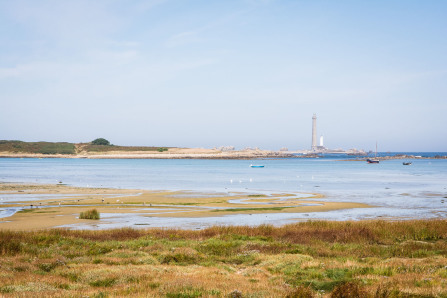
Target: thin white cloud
{"x": 113, "y": 57}
{"x": 182, "y": 39}
{"x": 198, "y": 34}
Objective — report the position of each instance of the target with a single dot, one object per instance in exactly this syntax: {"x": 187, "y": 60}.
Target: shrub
{"x": 89, "y": 214}
{"x": 162, "y": 149}
{"x": 348, "y": 290}
{"x": 235, "y": 294}
{"x": 100, "y": 141}
{"x": 301, "y": 292}
{"x": 47, "y": 267}
{"x": 9, "y": 246}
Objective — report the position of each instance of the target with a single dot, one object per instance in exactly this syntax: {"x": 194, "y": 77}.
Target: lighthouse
{"x": 314, "y": 132}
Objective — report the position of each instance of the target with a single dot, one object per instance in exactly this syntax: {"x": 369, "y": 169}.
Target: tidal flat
{"x": 41, "y": 206}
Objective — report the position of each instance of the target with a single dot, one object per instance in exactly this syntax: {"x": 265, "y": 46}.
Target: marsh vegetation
{"x": 89, "y": 214}
{"x": 366, "y": 259}
{"x": 97, "y": 145}
{"x": 37, "y": 147}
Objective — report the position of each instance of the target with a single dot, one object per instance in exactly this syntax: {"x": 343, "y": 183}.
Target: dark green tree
{"x": 100, "y": 141}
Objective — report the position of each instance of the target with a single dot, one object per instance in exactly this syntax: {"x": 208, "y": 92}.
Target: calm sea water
{"x": 416, "y": 191}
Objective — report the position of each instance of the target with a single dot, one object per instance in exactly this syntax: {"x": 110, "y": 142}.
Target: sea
{"x": 393, "y": 190}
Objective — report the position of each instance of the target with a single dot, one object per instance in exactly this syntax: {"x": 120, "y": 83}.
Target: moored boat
{"x": 375, "y": 160}
{"x": 256, "y": 166}
{"x": 406, "y": 163}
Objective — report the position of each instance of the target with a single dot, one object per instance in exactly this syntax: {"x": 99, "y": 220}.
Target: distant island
{"x": 102, "y": 149}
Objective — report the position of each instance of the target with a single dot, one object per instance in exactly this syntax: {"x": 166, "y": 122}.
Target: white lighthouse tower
{"x": 314, "y": 132}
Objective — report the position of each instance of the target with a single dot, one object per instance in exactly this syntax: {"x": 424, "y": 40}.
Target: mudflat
{"x": 43, "y": 206}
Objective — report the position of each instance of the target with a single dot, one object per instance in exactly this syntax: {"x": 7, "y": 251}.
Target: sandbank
{"x": 43, "y": 206}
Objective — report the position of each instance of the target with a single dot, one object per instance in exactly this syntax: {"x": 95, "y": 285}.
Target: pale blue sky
{"x": 212, "y": 73}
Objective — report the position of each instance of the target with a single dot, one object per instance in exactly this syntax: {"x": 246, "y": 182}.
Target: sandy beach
{"x": 171, "y": 153}
{"x": 199, "y": 153}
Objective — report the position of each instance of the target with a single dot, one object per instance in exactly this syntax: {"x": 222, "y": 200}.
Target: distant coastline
{"x": 189, "y": 153}
{"x": 192, "y": 153}
{"x": 19, "y": 149}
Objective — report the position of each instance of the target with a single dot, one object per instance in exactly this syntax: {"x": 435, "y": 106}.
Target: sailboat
{"x": 375, "y": 160}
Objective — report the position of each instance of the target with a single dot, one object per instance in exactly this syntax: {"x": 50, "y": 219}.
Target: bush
{"x": 100, "y": 141}
{"x": 89, "y": 214}
{"x": 9, "y": 246}
{"x": 235, "y": 294}
{"x": 301, "y": 292}
{"x": 162, "y": 149}
{"x": 348, "y": 290}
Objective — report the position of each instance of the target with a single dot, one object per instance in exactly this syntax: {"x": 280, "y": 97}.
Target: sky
{"x": 243, "y": 73}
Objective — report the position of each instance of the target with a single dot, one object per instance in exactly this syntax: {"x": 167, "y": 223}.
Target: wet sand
{"x": 51, "y": 206}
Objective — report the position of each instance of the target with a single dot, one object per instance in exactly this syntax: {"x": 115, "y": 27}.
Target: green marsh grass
{"x": 251, "y": 209}
{"x": 309, "y": 259}
{"x": 90, "y": 214}
{"x": 37, "y": 147}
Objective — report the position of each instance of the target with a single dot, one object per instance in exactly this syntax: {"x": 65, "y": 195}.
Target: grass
{"x": 100, "y": 148}
{"x": 27, "y": 210}
{"x": 66, "y": 148}
{"x": 90, "y": 214}
{"x": 36, "y": 210}
{"x": 309, "y": 259}
{"x": 251, "y": 209}
{"x": 37, "y": 147}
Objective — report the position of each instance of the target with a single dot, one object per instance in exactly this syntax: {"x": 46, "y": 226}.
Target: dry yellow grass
{"x": 374, "y": 259}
